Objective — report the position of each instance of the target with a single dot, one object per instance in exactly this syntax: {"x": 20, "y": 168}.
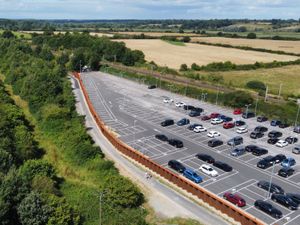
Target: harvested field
{"x": 159, "y": 34}
{"x": 286, "y": 46}
{"x": 173, "y": 56}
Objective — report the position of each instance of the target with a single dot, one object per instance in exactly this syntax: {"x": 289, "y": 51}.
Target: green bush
{"x": 183, "y": 67}
{"x": 251, "y": 36}
{"x": 256, "y": 85}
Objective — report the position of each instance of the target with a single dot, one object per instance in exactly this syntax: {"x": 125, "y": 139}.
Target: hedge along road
{"x": 134, "y": 112}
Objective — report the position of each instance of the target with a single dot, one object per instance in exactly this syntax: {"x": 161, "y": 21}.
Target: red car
{"x": 228, "y": 125}
{"x": 205, "y": 118}
{"x": 237, "y": 111}
{"x": 214, "y": 115}
{"x": 234, "y": 199}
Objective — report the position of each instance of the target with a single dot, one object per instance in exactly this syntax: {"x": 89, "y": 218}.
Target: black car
{"x": 183, "y": 121}
{"x": 250, "y": 148}
{"x": 161, "y": 137}
{"x": 259, "y": 151}
{"x": 223, "y": 166}
{"x": 194, "y": 113}
{"x": 261, "y": 119}
{"x": 167, "y": 122}
{"x": 255, "y": 135}
{"x": 227, "y": 119}
{"x": 198, "y": 109}
{"x": 239, "y": 123}
{"x": 274, "y": 134}
{"x": 285, "y": 201}
{"x": 214, "y": 143}
{"x": 260, "y": 129}
{"x": 286, "y": 172}
{"x": 151, "y": 86}
{"x": 192, "y": 126}
{"x": 284, "y": 125}
{"x": 268, "y": 208}
{"x": 279, "y": 158}
{"x": 275, "y": 123}
{"x": 205, "y": 158}
{"x": 176, "y": 143}
{"x": 174, "y": 164}
{"x": 188, "y": 107}
{"x": 247, "y": 115}
{"x": 294, "y": 197}
{"x": 291, "y": 140}
{"x": 273, "y": 189}
{"x": 273, "y": 141}
{"x": 266, "y": 162}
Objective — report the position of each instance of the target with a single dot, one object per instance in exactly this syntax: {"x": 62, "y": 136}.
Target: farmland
{"x": 173, "y": 56}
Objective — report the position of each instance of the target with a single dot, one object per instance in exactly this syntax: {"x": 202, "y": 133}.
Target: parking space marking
{"x": 236, "y": 187}
{"x": 217, "y": 180}
{"x": 289, "y": 221}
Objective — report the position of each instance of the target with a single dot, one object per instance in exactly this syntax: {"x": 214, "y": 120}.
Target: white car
{"x": 216, "y": 121}
{"x": 208, "y": 170}
{"x": 242, "y": 130}
{"x": 168, "y": 100}
{"x": 281, "y": 143}
{"x": 213, "y": 134}
{"x": 180, "y": 104}
{"x": 199, "y": 129}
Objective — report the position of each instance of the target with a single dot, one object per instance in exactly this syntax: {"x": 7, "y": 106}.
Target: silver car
{"x": 296, "y": 149}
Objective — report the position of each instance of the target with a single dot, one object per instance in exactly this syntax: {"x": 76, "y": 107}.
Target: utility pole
{"x": 296, "y": 120}
{"x": 266, "y": 96}
{"x": 279, "y": 92}
{"x": 247, "y": 107}
{"x": 256, "y": 106}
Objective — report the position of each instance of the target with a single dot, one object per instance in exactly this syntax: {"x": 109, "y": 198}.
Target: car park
{"x": 206, "y": 158}
{"x": 234, "y": 199}
{"x": 238, "y": 151}
{"x": 273, "y": 141}
{"x": 266, "y": 162}
{"x": 261, "y": 119}
{"x": 285, "y": 201}
{"x": 250, "y": 148}
{"x": 192, "y": 126}
{"x": 256, "y": 135}
{"x": 214, "y": 143}
{"x": 286, "y": 172}
{"x": 275, "y": 123}
{"x": 223, "y": 166}
{"x": 242, "y": 130}
{"x": 151, "y": 86}
{"x": 213, "y": 134}
{"x": 281, "y": 143}
{"x": 268, "y": 208}
{"x": 291, "y": 140}
{"x": 188, "y": 107}
{"x": 248, "y": 115}
{"x": 176, "y": 143}
{"x": 274, "y": 134}
{"x": 296, "y": 149}
{"x": 260, "y": 129}
{"x": 167, "y": 122}
{"x": 237, "y": 111}
{"x": 180, "y": 104}
{"x": 204, "y": 118}
{"x": 294, "y": 197}
{"x": 175, "y": 165}
{"x": 228, "y": 125}
{"x": 192, "y": 175}
{"x": 161, "y": 137}
{"x": 235, "y": 141}
{"x": 199, "y": 129}
{"x": 259, "y": 151}
{"x": 216, "y": 121}
{"x": 239, "y": 123}
{"x": 297, "y": 129}
{"x": 194, "y": 113}
{"x": 273, "y": 188}
{"x": 208, "y": 170}
{"x": 183, "y": 121}
{"x": 288, "y": 162}
{"x": 214, "y": 115}
{"x": 168, "y": 100}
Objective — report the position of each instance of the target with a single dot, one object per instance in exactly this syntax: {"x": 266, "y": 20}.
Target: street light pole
{"x": 296, "y": 120}
{"x": 266, "y": 96}
{"x": 271, "y": 179}
{"x": 247, "y": 106}
{"x": 256, "y": 105}
{"x": 280, "y": 88}
{"x": 217, "y": 97}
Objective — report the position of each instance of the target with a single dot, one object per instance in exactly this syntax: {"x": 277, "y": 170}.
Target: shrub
{"x": 195, "y": 67}
{"x": 183, "y": 67}
{"x": 237, "y": 99}
{"x": 256, "y": 85}
{"x": 186, "y": 39}
{"x": 251, "y": 36}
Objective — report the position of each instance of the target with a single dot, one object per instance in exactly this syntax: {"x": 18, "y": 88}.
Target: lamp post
{"x": 247, "y": 107}
{"x": 271, "y": 178}
{"x": 217, "y": 97}
{"x": 296, "y": 120}
{"x": 256, "y": 105}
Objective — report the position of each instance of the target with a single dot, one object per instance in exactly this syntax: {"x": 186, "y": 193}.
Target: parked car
{"x": 183, "y": 121}
{"x": 223, "y": 166}
{"x": 234, "y": 199}
{"x": 297, "y": 129}
{"x": 228, "y": 125}
{"x": 199, "y": 129}
{"x": 194, "y": 113}
{"x": 161, "y": 137}
{"x": 281, "y": 143}
{"x": 273, "y": 141}
{"x": 235, "y": 141}
{"x": 291, "y": 140}
{"x": 268, "y": 208}
{"x": 192, "y": 175}
{"x": 255, "y": 135}
{"x": 250, "y": 148}
{"x": 259, "y": 151}
{"x": 288, "y": 162}
{"x": 213, "y": 134}
{"x": 216, "y": 121}
{"x": 274, "y": 188}
{"x": 175, "y": 165}
{"x": 285, "y": 201}
{"x": 188, "y": 107}
{"x": 176, "y": 143}
{"x": 247, "y": 115}
{"x": 192, "y": 126}
{"x": 266, "y": 162}
{"x": 242, "y": 130}
{"x": 238, "y": 151}
{"x": 274, "y": 134}
{"x": 214, "y": 115}
{"x": 226, "y": 119}
{"x": 208, "y": 170}
{"x": 180, "y": 104}
{"x": 286, "y": 172}
{"x": 275, "y": 123}
{"x": 296, "y": 149}
{"x": 167, "y": 122}
{"x": 294, "y": 197}
{"x": 168, "y": 100}
{"x": 239, "y": 123}
{"x": 204, "y": 118}
{"x": 262, "y": 119}
{"x": 283, "y": 125}
{"x": 237, "y": 111}
{"x": 214, "y": 143}
{"x": 205, "y": 158}
{"x": 261, "y": 129}
{"x": 279, "y": 158}
{"x": 151, "y": 86}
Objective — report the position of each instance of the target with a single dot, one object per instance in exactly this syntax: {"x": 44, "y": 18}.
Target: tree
{"x": 8, "y": 34}
{"x": 256, "y": 85}
{"x": 128, "y": 59}
{"x": 186, "y": 39}
{"x": 251, "y": 36}
{"x": 237, "y": 99}
{"x": 183, "y": 67}
{"x": 181, "y": 31}
{"x": 195, "y": 67}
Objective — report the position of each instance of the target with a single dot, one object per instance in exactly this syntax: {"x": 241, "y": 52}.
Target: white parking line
{"x": 235, "y": 173}
{"x": 290, "y": 220}
{"x": 235, "y": 187}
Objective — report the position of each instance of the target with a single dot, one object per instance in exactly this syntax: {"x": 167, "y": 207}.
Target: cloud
{"x": 150, "y": 9}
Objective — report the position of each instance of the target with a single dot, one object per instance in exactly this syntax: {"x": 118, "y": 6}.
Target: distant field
{"x": 173, "y": 56}
{"x": 63, "y": 32}
{"x": 159, "y": 34}
{"x": 287, "y": 46}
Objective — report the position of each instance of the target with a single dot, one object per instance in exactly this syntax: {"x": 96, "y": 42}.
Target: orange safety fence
{"x": 207, "y": 196}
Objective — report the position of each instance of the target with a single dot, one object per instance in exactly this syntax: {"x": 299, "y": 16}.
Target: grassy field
{"x": 166, "y": 54}
{"x": 286, "y": 46}
{"x": 158, "y": 34}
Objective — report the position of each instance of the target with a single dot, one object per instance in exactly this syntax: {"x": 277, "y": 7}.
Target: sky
{"x": 150, "y": 9}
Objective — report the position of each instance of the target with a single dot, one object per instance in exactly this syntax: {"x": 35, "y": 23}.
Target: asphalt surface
{"x": 134, "y": 112}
